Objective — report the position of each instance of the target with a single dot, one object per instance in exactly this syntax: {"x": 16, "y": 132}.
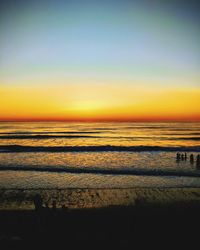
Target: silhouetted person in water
{"x": 182, "y": 157}
{"x": 178, "y": 156}
{"x": 191, "y": 158}
{"x": 37, "y": 202}
{"x": 185, "y": 158}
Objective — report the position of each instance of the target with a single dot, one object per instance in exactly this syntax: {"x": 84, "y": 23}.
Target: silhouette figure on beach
{"x": 191, "y": 158}
{"x": 37, "y": 202}
{"x": 181, "y": 157}
{"x": 185, "y": 157}
{"x": 178, "y": 157}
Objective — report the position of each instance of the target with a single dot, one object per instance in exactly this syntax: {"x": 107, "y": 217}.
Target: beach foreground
{"x": 81, "y": 198}
{"x": 124, "y": 217}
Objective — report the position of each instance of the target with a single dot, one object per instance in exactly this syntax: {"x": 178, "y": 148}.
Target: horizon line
{"x": 100, "y": 120}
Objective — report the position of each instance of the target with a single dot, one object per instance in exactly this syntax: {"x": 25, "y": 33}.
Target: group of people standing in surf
{"x": 184, "y": 157}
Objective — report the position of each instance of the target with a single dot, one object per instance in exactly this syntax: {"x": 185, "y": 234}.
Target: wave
{"x": 169, "y": 128}
{"x": 41, "y": 137}
{"x": 183, "y": 138}
{"x": 106, "y": 148}
{"x": 186, "y": 134}
{"x": 135, "y": 171}
{"x": 105, "y": 129}
{"x": 73, "y": 135}
{"x": 49, "y": 132}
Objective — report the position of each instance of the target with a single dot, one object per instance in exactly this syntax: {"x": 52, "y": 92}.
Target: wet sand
{"x": 73, "y": 198}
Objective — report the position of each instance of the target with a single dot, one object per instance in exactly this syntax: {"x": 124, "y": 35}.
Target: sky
{"x": 100, "y": 60}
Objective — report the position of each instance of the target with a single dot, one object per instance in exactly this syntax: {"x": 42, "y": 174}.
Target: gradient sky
{"x": 99, "y": 60}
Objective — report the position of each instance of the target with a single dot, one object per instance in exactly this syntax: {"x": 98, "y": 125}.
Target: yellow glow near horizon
{"x": 107, "y": 60}
{"x": 98, "y": 102}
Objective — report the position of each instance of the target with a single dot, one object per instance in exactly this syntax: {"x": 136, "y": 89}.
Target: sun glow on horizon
{"x": 101, "y": 60}
{"x": 98, "y": 102}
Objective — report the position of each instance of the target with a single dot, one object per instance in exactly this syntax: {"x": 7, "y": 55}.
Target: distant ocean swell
{"x": 106, "y": 148}
{"x": 170, "y": 127}
{"x": 46, "y": 136}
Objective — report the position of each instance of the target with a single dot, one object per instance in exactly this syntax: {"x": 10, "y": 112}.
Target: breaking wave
{"x": 106, "y": 148}
{"x": 134, "y": 171}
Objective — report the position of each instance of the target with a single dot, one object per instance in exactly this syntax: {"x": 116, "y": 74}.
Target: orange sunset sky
{"x": 99, "y": 61}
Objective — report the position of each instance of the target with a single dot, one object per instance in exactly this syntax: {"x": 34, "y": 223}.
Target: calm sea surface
{"x": 95, "y": 155}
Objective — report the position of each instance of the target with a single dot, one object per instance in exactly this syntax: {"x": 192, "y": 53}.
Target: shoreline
{"x": 83, "y": 198}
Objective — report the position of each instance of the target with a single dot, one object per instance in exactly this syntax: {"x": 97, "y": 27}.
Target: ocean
{"x": 98, "y": 155}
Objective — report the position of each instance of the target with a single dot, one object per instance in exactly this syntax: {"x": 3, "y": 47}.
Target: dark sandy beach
{"x": 135, "y": 217}
{"x": 82, "y": 198}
